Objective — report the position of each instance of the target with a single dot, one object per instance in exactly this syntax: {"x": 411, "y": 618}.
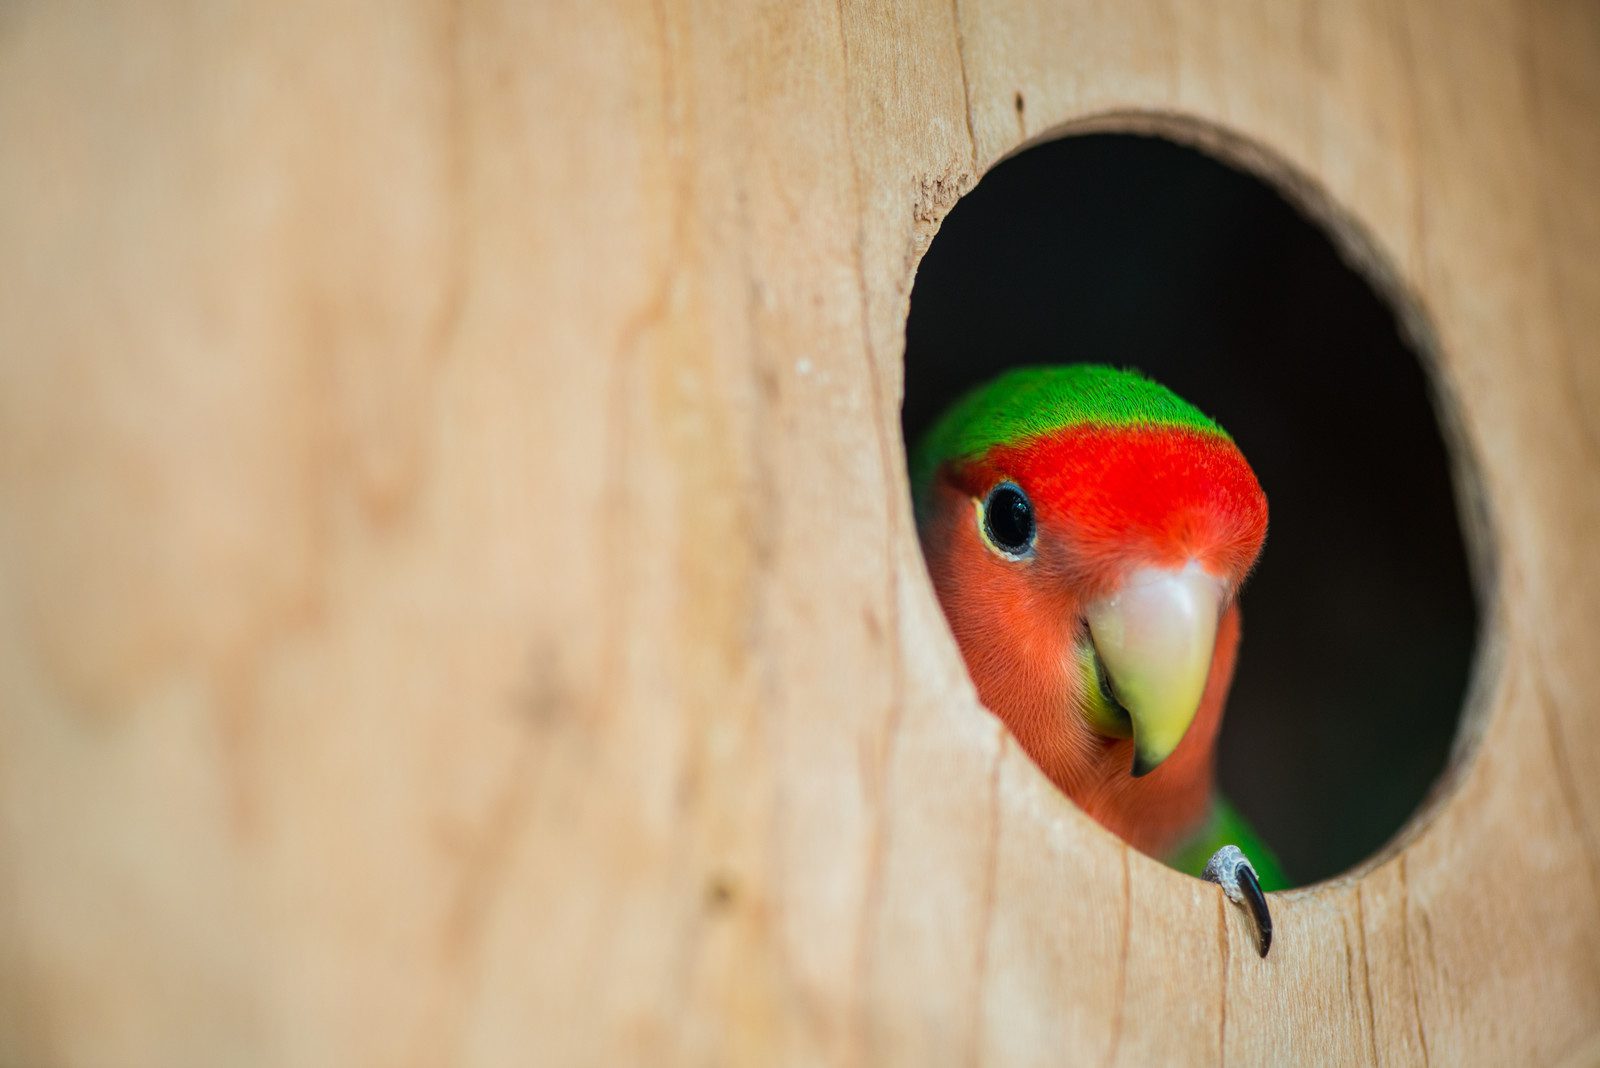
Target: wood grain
{"x": 460, "y": 602}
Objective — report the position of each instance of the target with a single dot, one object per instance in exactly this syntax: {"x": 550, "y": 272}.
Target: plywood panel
{"x": 460, "y": 601}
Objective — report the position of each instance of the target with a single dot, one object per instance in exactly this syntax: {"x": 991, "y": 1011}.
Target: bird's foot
{"x": 1230, "y": 869}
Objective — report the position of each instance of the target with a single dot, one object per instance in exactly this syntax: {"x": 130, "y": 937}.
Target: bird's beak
{"x": 1154, "y": 636}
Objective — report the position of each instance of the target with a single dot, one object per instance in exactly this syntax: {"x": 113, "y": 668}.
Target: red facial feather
{"x": 1125, "y": 497}
{"x": 1106, "y": 500}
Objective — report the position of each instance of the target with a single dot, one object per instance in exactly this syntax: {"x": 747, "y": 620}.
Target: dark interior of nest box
{"x": 1359, "y": 621}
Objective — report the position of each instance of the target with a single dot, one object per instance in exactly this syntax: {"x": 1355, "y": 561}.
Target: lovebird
{"x": 1087, "y": 532}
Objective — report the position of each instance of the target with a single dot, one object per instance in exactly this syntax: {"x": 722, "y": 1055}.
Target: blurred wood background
{"x": 458, "y": 597}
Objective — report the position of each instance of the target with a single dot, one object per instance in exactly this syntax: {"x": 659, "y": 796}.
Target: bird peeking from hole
{"x": 1087, "y": 532}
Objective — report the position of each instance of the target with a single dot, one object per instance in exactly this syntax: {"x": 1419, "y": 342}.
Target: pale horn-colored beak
{"x": 1154, "y": 636}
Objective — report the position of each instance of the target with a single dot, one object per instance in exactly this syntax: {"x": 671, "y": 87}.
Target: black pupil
{"x": 1009, "y": 518}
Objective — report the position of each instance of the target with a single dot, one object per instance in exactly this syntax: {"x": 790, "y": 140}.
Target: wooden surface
{"x": 458, "y": 597}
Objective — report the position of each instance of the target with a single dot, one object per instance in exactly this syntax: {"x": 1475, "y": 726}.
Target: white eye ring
{"x": 1006, "y": 522}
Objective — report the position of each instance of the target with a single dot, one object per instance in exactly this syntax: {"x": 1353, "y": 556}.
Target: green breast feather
{"x": 1227, "y": 827}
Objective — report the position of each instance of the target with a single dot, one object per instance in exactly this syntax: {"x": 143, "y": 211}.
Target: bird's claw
{"x": 1230, "y": 869}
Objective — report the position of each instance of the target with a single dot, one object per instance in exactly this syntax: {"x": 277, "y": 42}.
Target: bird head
{"x": 1087, "y": 530}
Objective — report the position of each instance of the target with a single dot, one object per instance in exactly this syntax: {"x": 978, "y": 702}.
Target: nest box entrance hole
{"x": 1360, "y": 620}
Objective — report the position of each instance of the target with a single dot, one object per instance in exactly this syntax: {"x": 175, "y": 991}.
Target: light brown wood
{"x": 460, "y": 602}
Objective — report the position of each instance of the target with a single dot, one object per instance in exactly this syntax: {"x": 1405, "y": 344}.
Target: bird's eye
{"x": 1008, "y": 520}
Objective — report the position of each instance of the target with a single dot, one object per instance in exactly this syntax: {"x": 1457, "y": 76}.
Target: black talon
{"x": 1251, "y": 886}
